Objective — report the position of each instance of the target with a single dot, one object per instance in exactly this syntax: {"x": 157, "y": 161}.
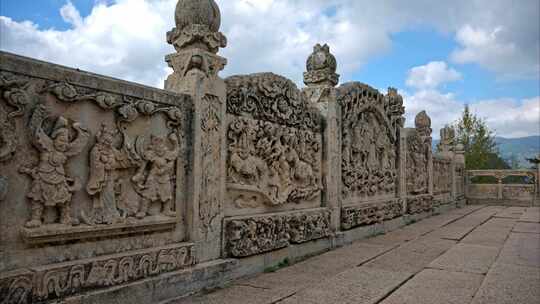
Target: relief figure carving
{"x": 154, "y": 177}
{"x": 51, "y": 185}
{"x": 105, "y": 160}
{"x": 279, "y": 163}
{"x": 371, "y": 122}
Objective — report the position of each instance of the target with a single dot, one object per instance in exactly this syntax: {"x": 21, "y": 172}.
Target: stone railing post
{"x": 402, "y": 172}
{"x": 196, "y": 67}
{"x": 321, "y": 79}
{"x": 500, "y": 186}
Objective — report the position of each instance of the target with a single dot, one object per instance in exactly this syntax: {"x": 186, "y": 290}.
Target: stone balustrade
{"x": 110, "y": 189}
{"x": 525, "y": 193}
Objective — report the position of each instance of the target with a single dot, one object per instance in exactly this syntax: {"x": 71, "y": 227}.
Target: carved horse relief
{"x": 274, "y": 148}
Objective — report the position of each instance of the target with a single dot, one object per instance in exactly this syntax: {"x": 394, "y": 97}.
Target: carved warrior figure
{"x": 371, "y": 122}
{"x": 154, "y": 177}
{"x": 105, "y": 160}
{"x": 51, "y": 186}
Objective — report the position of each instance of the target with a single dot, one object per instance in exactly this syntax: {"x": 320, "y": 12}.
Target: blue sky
{"x": 440, "y": 55}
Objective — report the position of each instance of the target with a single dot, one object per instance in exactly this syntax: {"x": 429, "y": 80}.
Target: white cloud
{"x": 443, "y": 108}
{"x": 71, "y": 15}
{"x": 490, "y": 49}
{"x": 431, "y": 75}
{"x": 126, "y": 39}
{"x": 507, "y": 117}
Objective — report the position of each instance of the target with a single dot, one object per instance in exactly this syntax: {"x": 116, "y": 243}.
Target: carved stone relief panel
{"x": 368, "y": 214}
{"x": 13, "y": 100}
{"x": 60, "y": 280}
{"x": 420, "y": 204}
{"x": 442, "y": 176}
{"x": 210, "y": 204}
{"x": 270, "y": 164}
{"x": 271, "y": 98}
{"x": 417, "y": 164}
{"x": 258, "y": 234}
{"x": 92, "y": 160}
{"x": 370, "y": 126}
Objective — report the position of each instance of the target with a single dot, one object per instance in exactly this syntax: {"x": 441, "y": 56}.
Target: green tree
{"x": 535, "y": 162}
{"x": 479, "y": 142}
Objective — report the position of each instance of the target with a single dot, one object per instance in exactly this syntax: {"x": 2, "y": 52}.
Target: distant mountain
{"x": 522, "y": 148}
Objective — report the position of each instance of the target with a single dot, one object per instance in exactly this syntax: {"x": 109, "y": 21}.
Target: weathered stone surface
{"x": 526, "y": 227}
{"x": 509, "y": 284}
{"x": 459, "y": 229}
{"x": 358, "y": 285}
{"x": 115, "y": 192}
{"x": 521, "y": 249}
{"x": 247, "y": 236}
{"x": 487, "y": 237}
{"x": 467, "y": 258}
{"x": 437, "y": 286}
{"x": 412, "y": 256}
{"x": 531, "y": 215}
{"x": 511, "y": 212}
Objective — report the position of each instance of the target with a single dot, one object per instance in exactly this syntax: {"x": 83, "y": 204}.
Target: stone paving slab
{"x": 460, "y": 228}
{"x": 531, "y": 215}
{"x": 432, "y": 286}
{"x": 511, "y": 212}
{"x": 360, "y": 285}
{"x": 467, "y": 258}
{"x": 510, "y": 284}
{"x": 521, "y": 249}
{"x": 274, "y": 286}
{"x": 466, "y": 209}
{"x": 412, "y": 265}
{"x": 487, "y": 237}
{"x": 412, "y": 256}
{"x": 527, "y": 227}
{"x": 499, "y": 223}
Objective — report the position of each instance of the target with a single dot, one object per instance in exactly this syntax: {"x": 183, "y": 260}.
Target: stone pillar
{"x": 499, "y": 186}
{"x": 402, "y": 191}
{"x": 321, "y": 79}
{"x": 197, "y": 39}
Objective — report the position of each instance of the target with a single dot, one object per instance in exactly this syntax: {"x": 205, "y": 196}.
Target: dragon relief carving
{"x": 271, "y": 98}
{"x": 419, "y": 204}
{"x": 280, "y": 164}
{"x": 355, "y": 216}
{"x": 254, "y": 235}
{"x": 370, "y": 129}
{"x": 51, "y": 185}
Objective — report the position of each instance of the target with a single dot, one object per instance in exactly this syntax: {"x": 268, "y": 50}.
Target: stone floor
{"x": 476, "y": 254}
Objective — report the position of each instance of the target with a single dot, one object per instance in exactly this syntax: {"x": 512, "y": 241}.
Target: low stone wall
{"x": 115, "y": 192}
{"x": 503, "y": 193}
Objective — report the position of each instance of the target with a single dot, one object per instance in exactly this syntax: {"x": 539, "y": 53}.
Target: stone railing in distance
{"x": 500, "y": 192}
